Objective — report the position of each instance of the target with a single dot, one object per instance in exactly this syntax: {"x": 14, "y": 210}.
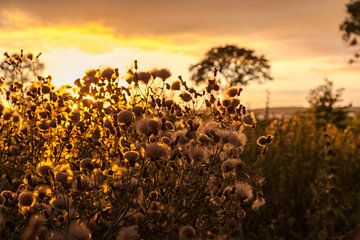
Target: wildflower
{"x": 53, "y": 123}
{"x": 233, "y": 91}
{"x": 169, "y": 126}
{"x": 230, "y": 164}
{"x": 161, "y": 73}
{"x": 79, "y": 231}
{"x": 148, "y": 126}
{"x": 144, "y": 77}
{"x": 259, "y": 202}
{"x": 7, "y": 115}
{"x": 44, "y": 170}
{"x": 138, "y": 110}
{"x": 155, "y": 207}
{"x": 153, "y": 195}
{"x": 235, "y": 102}
{"x": 233, "y": 138}
{"x": 8, "y": 197}
{"x": 243, "y": 191}
{"x": 197, "y": 154}
{"x": 14, "y": 150}
{"x": 108, "y": 124}
{"x": 86, "y": 164}
{"x": 261, "y": 141}
{"x": 26, "y": 199}
{"x": 131, "y": 156}
{"x": 7, "y": 194}
{"x": 187, "y": 233}
{"x": 156, "y": 151}
{"x": 61, "y": 202}
{"x": 249, "y": 120}
{"x": 80, "y": 184}
{"x": 129, "y": 233}
{"x": 62, "y": 177}
{"x": 44, "y": 125}
{"x": 45, "y": 89}
{"x": 126, "y": 117}
{"x": 186, "y": 97}
{"x": 75, "y": 117}
{"x": 176, "y": 85}
{"x": 42, "y": 191}
{"x": 107, "y": 73}
{"x": 166, "y": 140}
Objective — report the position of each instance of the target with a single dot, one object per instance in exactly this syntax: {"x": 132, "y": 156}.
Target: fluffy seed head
{"x": 131, "y": 156}
{"x": 26, "y": 199}
{"x": 186, "y": 97}
{"x": 156, "y": 151}
{"x": 43, "y": 170}
{"x": 176, "y": 85}
{"x": 126, "y": 117}
{"x": 148, "y": 126}
{"x": 187, "y": 233}
{"x": 107, "y": 73}
{"x": 232, "y": 91}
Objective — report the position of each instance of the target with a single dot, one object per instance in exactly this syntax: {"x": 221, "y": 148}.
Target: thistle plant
{"x": 122, "y": 157}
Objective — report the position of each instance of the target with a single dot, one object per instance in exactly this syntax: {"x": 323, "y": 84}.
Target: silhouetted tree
{"x": 324, "y": 101}
{"x": 233, "y": 65}
{"x": 351, "y": 25}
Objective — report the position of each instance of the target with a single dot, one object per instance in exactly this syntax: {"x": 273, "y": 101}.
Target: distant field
{"x": 286, "y": 111}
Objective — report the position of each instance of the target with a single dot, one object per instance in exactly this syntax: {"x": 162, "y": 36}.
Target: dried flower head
{"x": 197, "y": 154}
{"x": 186, "y": 97}
{"x": 231, "y": 164}
{"x": 148, "y": 126}
{"x": 162, "y": 73}
{"x": 86, "y": 164}
{"x": 156, "y": 151}
{"x": 144, "y": 77}
{"x": 187, "y": 233}
{"x": 249, "y": 119}
{"x": 126, "y": 117}
{"x": 176, "y": 85}
{"x": 232, "y": 91}
{"x": 107, "y": 73}
{"x": 26, "y": 199}
{"x": 131, "y": 156}
{"x": 243, "y": 191}
{"x": 44, "y": 169}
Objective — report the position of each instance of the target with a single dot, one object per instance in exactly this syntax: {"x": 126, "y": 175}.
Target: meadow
{"x": 147, "y": 156}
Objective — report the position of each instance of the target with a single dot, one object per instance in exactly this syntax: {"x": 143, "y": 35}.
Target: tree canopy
{"x": 351, "y": 25}
{"x": 232, "y": 65}
{"x": 324, "y": 101}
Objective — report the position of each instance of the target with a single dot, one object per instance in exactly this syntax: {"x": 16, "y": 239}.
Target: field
{"x": 115, "y": 157}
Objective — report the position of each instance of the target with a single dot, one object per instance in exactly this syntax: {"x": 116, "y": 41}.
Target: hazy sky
{"x": 300, "y": 38}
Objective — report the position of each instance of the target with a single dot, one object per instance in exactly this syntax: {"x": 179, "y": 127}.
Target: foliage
{"x": 232, "y": 66}
{"x": 351, "y": 25}
{"x": 310, "y": 181}
{"x": 324, "y": 102}
{"x": 116, "y": 157}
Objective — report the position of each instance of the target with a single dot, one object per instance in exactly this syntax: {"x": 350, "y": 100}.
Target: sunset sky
{"x": 300, "y": 38}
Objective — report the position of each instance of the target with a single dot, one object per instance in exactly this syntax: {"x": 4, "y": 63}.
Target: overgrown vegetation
{"x": 115, "y": 157}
